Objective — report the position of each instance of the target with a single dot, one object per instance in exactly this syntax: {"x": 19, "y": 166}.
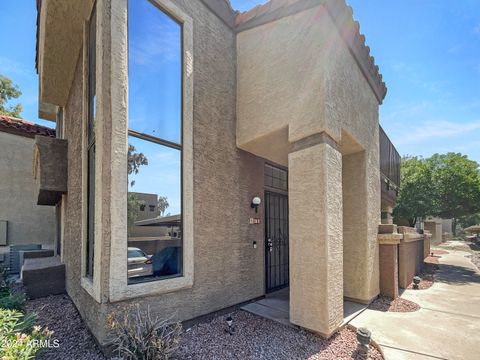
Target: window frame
{"x": 91, "y": 143}
{"x": 161, "y": 141}
{"x": 119, "y": 289}
{"x": 92, "y": 284}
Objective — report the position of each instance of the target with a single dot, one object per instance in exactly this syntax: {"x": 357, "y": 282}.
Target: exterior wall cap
{"x": 389, "y": 239}
{"x": 342, "y": 16}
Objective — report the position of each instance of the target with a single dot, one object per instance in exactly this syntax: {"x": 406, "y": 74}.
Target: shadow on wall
{"x": 456, "y": 275}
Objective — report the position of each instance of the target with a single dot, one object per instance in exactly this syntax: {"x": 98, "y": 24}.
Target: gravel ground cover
{"x": 427, "y": 281}
{"x": 258, "y": 338}
{"x": 254, "y": 338}
{"x": 427, "y": 274}
{"x": 384, "y": 303}
{"x": 60, "y": 316}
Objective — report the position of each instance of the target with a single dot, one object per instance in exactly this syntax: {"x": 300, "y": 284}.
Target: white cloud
{"x": 161, "y": 44}
{"x": 441, "y": 129}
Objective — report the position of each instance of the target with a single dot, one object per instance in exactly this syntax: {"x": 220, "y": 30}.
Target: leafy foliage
{"x": 19, "y": 338}
{"x": 139, "y": 335}
{"x": 469, "y": 220}
{"x": 456, "y": 184}
{"x": 13, "y": 301}
{"x": 135, "y": 160}
{"x": 13, "y": 321}
{"x": 162, "y": 205}
{"x": 9, "y": 91}
{"x": 416, "y": 195}
{"x": 445, "y": 185}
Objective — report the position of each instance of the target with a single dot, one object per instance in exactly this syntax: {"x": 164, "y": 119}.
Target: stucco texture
{"x": 316, "y": 246}
{"x": 227, "y": 268}
{"x": 27, "y": 223}
{"x": 297, "y": 77}
{"x": 72, "y": 202}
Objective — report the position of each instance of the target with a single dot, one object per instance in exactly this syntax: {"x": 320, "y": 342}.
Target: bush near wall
{"x": 20, "y": 339}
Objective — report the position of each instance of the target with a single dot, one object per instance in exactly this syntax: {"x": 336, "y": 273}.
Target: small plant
{"x": 13, "y": 301}
{"x": 12, "y": 322}
{"x": 21, "y": 346}
{"x": 5, "y": 284}
{"x": 139, "y": 335}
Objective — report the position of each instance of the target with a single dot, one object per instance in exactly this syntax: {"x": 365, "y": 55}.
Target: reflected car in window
{"x": 139, "y": 263}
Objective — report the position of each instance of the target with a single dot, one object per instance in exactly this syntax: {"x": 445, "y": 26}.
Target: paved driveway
{"x": 448, "y": 324}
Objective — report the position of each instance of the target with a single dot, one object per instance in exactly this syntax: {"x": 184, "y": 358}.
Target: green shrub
{"x": 12, "y": 322}
{"x": 140, "y": 336}
{"x": 5, "y": 284}
{"x": 22, "y": 346}
{"x": 13, "y": 301}
{"x": 19, "y": 339}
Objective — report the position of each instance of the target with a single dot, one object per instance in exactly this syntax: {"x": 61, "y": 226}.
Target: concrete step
{"x": 43, "y": 277}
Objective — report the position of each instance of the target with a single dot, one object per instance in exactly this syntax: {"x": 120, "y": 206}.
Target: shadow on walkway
{"x": 456, "y": 275}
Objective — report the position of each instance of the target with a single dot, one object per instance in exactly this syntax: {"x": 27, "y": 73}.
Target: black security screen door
{"x": 276, "y": 241}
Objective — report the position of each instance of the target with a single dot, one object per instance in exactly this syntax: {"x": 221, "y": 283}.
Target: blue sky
{"x": 428, "y": 52}
{"x": 429, "y": 55}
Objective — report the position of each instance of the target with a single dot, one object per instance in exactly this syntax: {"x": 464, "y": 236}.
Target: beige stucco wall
{"x": 297, "y": 77}
{"x": 316, "y": 246}
{"x": 72, "y": 202}
{"x": 326, "y": 93}
{"x": 28, "y": 223}
{"x": 227, "y": 269}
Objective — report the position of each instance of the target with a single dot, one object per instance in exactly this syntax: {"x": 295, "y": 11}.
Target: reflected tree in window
{"x": 134, "y": 161}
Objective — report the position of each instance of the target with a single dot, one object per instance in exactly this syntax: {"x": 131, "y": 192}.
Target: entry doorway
{"x": 276, "y": 241}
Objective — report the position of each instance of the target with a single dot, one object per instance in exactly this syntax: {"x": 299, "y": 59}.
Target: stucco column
{"x": 316, "y": 244}
{"x": 361, "y": 212}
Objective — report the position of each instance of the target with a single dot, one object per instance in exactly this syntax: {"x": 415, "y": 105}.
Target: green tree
{"x": 415, "y": 199}
{"x": 456, "y": 184}
{"x": 134, "y": 161}
{"x": 469, "y": 220}
{"x": 9, "y": 91}
{"x": 162, "y": 205}
{"x": 446, "y": 185}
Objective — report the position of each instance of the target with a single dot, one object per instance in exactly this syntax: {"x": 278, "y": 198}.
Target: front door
{"x": 276, "y": 241}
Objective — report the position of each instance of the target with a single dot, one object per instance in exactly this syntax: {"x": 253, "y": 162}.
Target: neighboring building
{"x": 218, "y": 108}
{"x": 22, "y": 222}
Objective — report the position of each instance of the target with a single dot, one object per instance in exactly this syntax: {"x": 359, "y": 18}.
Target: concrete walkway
{"x": 276, "y": 307}
{"x": 448, "y": 324}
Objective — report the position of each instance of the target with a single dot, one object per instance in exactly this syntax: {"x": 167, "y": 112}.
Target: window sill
{"x": 150, "y": 288}
{"x": 89, "y": 286}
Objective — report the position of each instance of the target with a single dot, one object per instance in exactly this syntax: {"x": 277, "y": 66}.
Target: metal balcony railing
{"x": 389, "y": 160}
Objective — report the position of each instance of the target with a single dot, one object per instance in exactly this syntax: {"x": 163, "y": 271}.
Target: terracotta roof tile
{"x": 22, "y": 127}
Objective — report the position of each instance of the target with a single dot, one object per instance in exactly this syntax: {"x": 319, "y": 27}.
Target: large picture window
{"x": 154, "y": 203}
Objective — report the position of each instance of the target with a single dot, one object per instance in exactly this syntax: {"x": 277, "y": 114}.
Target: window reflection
{"x": 154, "y": 211}
{"x": 155, "y": 65}
{"x": 154, "y": 154}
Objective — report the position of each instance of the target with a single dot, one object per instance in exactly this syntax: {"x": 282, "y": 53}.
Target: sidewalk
{"x": 448, "y": 324}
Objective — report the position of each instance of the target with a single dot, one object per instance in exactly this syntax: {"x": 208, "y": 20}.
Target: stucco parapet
{"x": 387, "y": 229}
{"x": 342, "y": 16}
{"x": 407, "y": 230}
{"x": 412, "y": 237}
{"x": 389, "y": 239}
